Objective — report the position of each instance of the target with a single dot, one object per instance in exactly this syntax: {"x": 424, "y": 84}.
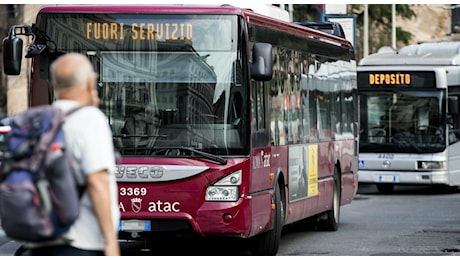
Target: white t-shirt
{"x": 89, "y": 137}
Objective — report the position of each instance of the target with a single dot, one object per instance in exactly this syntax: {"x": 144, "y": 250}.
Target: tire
{"x": 385, "y": 188}
{"x": 267, "y": 243}
{"x": 332, "y": 217}
{"x": 21, "y": 251}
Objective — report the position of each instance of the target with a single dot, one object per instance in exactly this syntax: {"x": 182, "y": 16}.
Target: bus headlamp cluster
{"x": 431, "y": 165}
{"x": 226, "y": 189}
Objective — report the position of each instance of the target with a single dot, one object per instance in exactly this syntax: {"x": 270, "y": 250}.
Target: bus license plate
{"x": 388, "y": 178}
{"x": 134, "y": 225}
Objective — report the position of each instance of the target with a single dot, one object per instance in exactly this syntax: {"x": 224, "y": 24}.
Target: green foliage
{"x": 306, "y": 13}
{"x": 380, "y": 24}
{"x": 380, "y": 17}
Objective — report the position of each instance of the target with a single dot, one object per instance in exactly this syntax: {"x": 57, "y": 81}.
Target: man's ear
{"x": 90, "y": 84}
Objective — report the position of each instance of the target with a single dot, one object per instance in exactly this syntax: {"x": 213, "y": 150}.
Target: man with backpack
{"x": 89, "y": 140}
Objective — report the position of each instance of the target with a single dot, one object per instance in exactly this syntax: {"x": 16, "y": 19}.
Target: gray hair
{"x": 77, "y": 71}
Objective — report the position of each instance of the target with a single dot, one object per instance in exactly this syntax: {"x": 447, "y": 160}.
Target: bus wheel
{"x": 385, "y": 188}
{"x": 20, "y": 251}
{"x": 331, "y": 219}
{"x": 267, "y": 243}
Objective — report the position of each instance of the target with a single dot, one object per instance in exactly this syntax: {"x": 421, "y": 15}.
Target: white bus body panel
{"x": 402, "y": 168}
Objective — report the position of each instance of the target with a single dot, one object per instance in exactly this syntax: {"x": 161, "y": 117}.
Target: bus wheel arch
{"x": 330, "y": 220}
{"x": 267, "y": 243}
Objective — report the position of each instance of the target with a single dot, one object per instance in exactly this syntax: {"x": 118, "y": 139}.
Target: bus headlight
{"x": 227, "y": 189}
{"x": 222, "y": 193}
{"x": 431, "y": 165}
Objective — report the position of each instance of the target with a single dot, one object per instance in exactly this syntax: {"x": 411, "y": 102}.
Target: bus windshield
{"x": 402, "y": 121}
{"x": 165, "y": 80}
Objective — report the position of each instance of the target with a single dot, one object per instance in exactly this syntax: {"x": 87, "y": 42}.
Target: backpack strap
{"x": 76, "y": 170}
{"x": 73, "y": 110}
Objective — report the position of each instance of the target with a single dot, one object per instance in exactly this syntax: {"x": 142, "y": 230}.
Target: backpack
{"x": 40, "y": 183}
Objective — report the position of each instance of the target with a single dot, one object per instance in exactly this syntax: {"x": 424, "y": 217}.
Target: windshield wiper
{"x": 175, "y": 150}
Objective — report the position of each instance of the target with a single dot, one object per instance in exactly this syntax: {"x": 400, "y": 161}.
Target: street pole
{"x": 393, "y": 26}
{"x": 366, "y": 31}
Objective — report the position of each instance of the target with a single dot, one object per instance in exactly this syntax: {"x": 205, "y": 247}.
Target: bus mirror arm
{"x": 34, "y": 50}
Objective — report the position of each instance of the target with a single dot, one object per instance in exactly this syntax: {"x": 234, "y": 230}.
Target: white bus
{"x": 409, "y": 116}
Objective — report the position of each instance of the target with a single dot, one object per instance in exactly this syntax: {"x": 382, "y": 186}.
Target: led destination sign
{"x": 397, "y": 79}
{"x": 139, "y": 31}
{"x": 135, "y": 32}
{"x": 389, "y": 79}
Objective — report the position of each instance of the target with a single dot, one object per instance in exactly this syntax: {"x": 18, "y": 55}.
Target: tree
{"x": 379, "y": 23}
{"x": 308, "y": 13}
{"x": 380, "y": 26}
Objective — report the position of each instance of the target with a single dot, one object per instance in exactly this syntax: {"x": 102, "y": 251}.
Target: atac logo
{"x": 136, "y": 204}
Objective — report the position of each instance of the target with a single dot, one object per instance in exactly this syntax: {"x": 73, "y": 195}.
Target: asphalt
{"x": 8, "y": 247}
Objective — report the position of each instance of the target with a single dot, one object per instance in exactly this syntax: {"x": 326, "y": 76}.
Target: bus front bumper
{"x": 403, "y": 177}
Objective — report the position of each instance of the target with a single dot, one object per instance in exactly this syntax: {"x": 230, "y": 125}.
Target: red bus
{"x": 229, "y": 123}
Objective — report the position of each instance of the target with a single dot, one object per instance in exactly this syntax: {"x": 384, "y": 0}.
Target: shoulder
{"x": 83, "y": 118}
{"x": 76, "y": 110}
{"x": 92, "y": 112}
{"x": 89, "y": 117}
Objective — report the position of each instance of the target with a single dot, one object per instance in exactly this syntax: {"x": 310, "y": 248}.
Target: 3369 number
{"x": 133, "y": 191}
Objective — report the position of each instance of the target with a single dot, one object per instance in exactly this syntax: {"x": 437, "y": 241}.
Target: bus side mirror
{"x": 262, "y": 62}
{"x": 12, "y": 48}
{"x": 452, "y": 105}
{"x": 12, "y": 55}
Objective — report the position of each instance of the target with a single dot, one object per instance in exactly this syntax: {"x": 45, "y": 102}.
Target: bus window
{"x": 260, "y": 136}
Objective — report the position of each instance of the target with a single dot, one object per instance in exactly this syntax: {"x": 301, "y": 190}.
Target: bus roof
{"x": 447, "y": 48}
{"x": 430, "y": 54}
{"x": 137, "y": 8}
{"x": 264, "y": 9}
